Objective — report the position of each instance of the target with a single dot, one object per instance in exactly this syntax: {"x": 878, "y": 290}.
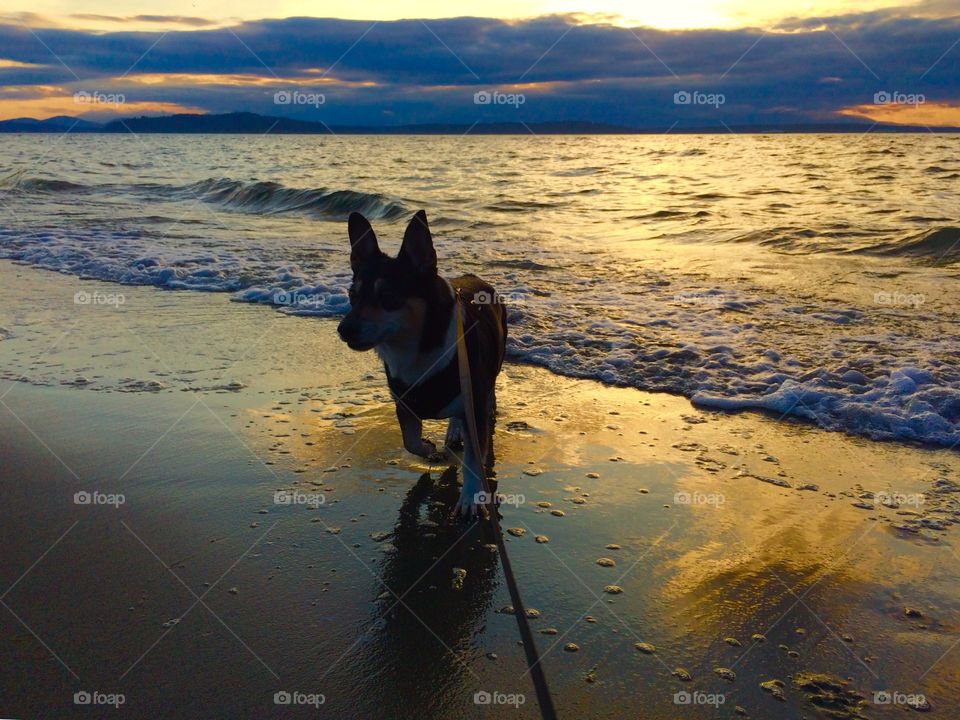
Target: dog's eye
{"x": 389, "y": 299}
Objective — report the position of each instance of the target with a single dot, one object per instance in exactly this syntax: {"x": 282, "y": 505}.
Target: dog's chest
{"x": 428, "y": 384}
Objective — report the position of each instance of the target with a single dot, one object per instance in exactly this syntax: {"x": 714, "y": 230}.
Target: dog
{"x": 404, "y": 311}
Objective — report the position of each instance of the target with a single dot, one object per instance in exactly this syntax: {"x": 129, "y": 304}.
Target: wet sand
{"x": 741, "y": 543}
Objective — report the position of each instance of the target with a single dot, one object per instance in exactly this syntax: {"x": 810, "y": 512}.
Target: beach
{"x": 248, "y": 524}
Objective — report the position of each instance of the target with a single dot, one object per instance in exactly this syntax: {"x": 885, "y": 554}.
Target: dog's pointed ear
{"x": 363, "y": 241}
{"x": 417, "y": 248}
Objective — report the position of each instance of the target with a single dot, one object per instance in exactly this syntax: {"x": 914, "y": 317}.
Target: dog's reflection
{"x": 422, "y": 644}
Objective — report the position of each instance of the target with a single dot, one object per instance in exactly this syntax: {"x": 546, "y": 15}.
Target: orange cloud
{"x": 237, "y": 80}
{"x": 66, "y": 104}
{"x": 931, "y": 114}
{"x": 17, "y": 64}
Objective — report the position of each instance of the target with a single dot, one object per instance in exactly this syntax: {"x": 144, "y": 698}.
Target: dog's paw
{"x": 472, "y": 505}
{"x": 426, "y": 450}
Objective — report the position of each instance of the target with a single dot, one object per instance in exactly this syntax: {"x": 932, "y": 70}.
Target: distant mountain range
{"x": 58, "y": 124}
{"x": 252, "y": 123}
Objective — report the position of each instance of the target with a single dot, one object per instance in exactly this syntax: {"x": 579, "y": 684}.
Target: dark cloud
{"x": 427, "y": 71}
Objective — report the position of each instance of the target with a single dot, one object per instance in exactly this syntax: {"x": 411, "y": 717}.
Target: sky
{"x": 650, "y": 65}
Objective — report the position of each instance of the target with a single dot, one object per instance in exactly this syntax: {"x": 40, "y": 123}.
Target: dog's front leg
{"x": 472, "y": 500}
{"x": 411, "y": 426}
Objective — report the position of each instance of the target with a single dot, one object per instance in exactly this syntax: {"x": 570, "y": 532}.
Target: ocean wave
{"x": 20, "y": 183}
{"x": 262, "y": 198}
{"x": 940, "y": 245}
{"x": 270, "y": 198}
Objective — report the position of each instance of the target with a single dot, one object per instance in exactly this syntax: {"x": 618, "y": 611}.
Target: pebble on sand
{"x": 912, "y": 612}
{"x": 557, "y": 513}
{"x": 757, "y": 637}
{"x": 775, "y": 688}
{"x": 548, "y": 631}
{"x": 532, "y": 613}
{"x": 233, "y": 591}
{"x": 459, "y": 575}
{"x": 725, "y": 674}
{"x": 605, "y": 562}
{"x": 683, "y": 674}
{"x": 542, "y": 539}
{"x": 612, "y": 546}
{"x": 516, "y": 532}
{"x": 645, "y": 648}
{"x": 613, "y": 589}
{"x": 544, "y": 504}
{"x": 571, "y": 647}
{"x": 533, "y": 472}
{"x": 593, "y": 475}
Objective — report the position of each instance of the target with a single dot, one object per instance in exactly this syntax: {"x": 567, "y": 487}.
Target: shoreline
{"x": 199, "y": 411}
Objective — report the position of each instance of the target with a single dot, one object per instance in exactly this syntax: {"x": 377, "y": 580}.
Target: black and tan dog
{"x": 405, "y": 311}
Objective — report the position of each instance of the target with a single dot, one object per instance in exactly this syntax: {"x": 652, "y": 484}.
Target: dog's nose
{"x": 347, "y": 327}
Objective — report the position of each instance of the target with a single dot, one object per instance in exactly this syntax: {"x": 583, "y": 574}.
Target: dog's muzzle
{"x": 350, "y": 331}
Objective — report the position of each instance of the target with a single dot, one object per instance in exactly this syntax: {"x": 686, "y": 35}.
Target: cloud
{"x": 428, "y": 71}
{"x": 916, "y": 114}
{"x": 138, "y": 19}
